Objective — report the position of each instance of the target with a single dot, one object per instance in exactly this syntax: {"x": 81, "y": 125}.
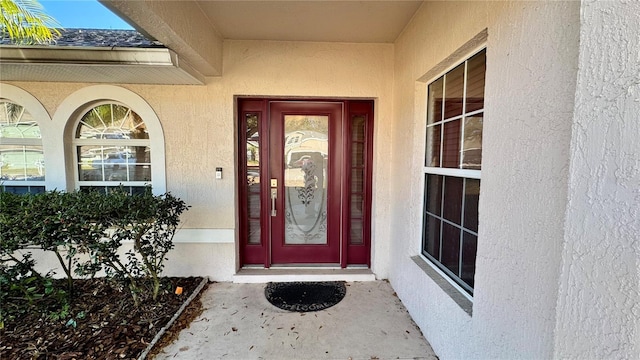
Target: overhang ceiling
{"x": 324, "y": 21}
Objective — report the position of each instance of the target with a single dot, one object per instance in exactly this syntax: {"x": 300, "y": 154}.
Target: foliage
{"x": 19, "y": 281}
{"x": 25, "y": 22}
{"x": 84, "y": 230}
{"x": 63, "y": 223}
{"x": 149, "y": 223}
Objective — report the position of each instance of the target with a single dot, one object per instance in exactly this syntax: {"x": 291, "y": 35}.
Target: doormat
{"x": 305, "y": 296}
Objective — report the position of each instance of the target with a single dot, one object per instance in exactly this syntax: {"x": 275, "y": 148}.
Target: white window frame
{"x": 71, "y": 110}
{"x": 77, "y": 142}
{"x": 31, "y": 105}
{"x": 451, "y": 172}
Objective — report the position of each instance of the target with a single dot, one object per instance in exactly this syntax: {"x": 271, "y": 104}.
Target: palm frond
{"x": 26, "y": 22}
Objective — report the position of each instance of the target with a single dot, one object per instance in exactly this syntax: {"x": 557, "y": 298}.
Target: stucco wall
{"x": 532, "y": 51}
{"x": 199, "y": 125}
{"x": 599, "y": 299}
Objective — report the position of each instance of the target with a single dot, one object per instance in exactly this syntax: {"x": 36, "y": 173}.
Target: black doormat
{"x": 305, "y": 296}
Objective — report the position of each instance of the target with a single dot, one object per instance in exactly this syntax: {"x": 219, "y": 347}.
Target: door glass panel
{"x": 356, "y": 180}
{"x": 357, "y": 128}
{"x": 356, "y": 205}
{"x": 254, "y": 231}
{"x": 253, "y": 209}
{"x": 356, "y": 237}
{"x": 306, "y": 144}
{"x": 357, "y": 155}
{"x": 253, "y": 195}
{"x": 253, "y": 141}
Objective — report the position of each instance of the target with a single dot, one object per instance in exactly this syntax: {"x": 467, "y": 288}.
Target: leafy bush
{"x": 149, "y": 222}
{"x": 92, "y": 225}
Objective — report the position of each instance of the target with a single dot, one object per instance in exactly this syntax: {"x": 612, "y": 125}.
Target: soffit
{"x": 95, "y": 64}
{"x": 96, "y": 55}
{"x": 325, "y": 21}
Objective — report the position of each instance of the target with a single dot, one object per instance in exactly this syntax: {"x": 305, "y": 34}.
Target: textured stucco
{"x": 599, "y": 298}
{"x": 199, "y": 121}
{"x": 532, "y": 51}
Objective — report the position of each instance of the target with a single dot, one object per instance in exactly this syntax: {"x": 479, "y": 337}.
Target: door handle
{"x": 274, "y": 196}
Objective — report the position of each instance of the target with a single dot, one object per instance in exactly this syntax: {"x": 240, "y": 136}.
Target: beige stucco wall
{"x": 199, "y": 123}
{"x": 532, "y": 51}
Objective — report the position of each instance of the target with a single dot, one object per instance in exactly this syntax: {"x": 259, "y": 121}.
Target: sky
{"x": 84, "y": 14}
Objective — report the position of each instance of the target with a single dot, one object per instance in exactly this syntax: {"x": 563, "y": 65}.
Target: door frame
{"x": 259, "y": 254}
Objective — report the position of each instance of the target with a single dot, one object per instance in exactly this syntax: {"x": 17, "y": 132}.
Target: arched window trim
{"x": 77, "y": 142}
{"x": 75, "y": 106}
{"x": 47, "y": 141}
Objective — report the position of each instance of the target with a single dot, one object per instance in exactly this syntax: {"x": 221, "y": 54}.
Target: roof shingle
{"x": 99, "y": 38}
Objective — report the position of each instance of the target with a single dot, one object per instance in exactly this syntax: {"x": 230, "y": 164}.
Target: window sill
{"x": 455, "y": 294}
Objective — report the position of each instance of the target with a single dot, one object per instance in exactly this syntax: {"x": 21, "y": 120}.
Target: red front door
{"x": 305, "y": 162}
{"x": 299, "y": 204}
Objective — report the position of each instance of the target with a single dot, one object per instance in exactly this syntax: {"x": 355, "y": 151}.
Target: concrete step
{"x": 290, "y": 274}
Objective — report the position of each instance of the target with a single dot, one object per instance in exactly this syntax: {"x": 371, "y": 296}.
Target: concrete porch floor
{"x": 239, "y": 323}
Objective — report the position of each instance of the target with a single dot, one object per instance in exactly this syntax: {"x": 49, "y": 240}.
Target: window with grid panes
{"x": 453, "y": 160}
{"x": 112, "y": 149}
{"x": 22, "y": 167}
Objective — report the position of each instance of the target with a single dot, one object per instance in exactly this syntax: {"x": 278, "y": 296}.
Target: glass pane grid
{"x": 450, "y": 225}
{"x": 454, "y": 141}
{"x": 448, "y": 101}
{"x": 109, "y": 163}
{"x": 21, "y": 163}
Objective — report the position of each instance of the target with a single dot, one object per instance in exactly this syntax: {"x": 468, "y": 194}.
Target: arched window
{"x": 22, "y": 167}
{"x": 112, "y": 149}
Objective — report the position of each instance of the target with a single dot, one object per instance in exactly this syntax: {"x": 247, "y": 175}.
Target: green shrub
{"x": 149, "y": 222}
{"x": 89, "y": 224}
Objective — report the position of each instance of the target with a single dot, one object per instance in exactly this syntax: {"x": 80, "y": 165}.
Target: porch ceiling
{"x": 325, "y": 21}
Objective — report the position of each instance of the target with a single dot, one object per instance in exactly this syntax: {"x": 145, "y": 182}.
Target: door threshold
{"x": 262, "y": 275}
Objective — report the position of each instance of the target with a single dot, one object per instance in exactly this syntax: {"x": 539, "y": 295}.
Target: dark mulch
{"x": 111, "y": 328}
{"x": 305, "y": 296}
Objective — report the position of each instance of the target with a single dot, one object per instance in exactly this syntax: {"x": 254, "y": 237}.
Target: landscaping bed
{"x": 103, "y": 322}
{"x": 82, "y": 316}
